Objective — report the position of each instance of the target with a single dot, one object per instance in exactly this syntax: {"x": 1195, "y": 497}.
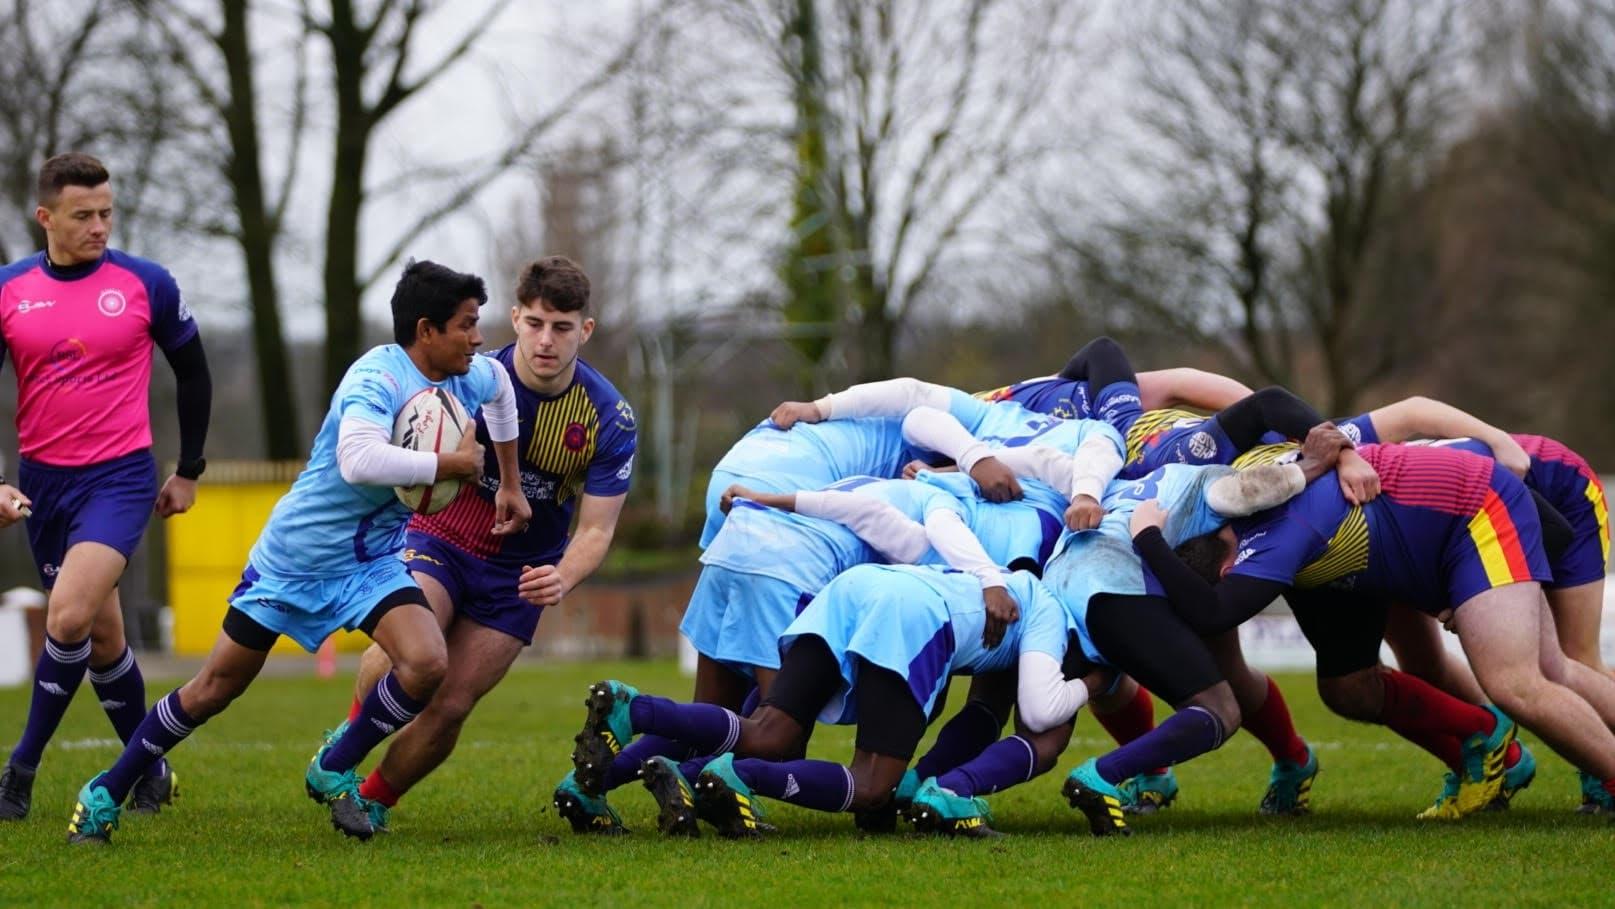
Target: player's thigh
{"x": 1415, "y": 638}
{"x": 407, "y": 630}
{"x": 1501, "y": 632}
{"x": 1345, "y": 629}
{"x": 891, "y": 720}
{"x": 437, "y": 597}
{"x": 1144, "y": 638}
{"x": 89, "y": 572}
{"x": 479, "y": 658}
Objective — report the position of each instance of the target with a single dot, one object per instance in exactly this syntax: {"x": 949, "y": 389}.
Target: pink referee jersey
{"x": 81, "y": 339}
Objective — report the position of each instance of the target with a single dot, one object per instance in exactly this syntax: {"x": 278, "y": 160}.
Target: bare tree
{"x": 219, "y": 59}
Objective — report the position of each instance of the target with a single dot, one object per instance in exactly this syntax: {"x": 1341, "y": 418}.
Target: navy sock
{"x": 708, "y": 728}
{"x": 1186, "y": 734}
{"x": 961, "y": 738}
{"x": 1003, "y": 764}
{"x": 386, "y": 710}
{"x": 624, "y": 767}
{"x": 57, "y": 675}
{"x": 820, "y": 785}
{"x": 163, "y": 728}
{"x": 122, "y": 692}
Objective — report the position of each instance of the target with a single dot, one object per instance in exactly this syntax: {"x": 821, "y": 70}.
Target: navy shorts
{"x": 108, "y": 503}
{"x": 482, "y": 591}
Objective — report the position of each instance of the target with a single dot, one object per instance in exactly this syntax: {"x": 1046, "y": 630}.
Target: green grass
{"x": 481, "y": 831}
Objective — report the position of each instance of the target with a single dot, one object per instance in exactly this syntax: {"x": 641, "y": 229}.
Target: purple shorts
{"x": 482, "y": 591}
{"x": 108, "y": 503}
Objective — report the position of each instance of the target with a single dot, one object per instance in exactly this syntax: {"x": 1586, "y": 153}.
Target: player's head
{"x": 551, "y": 317}
{"x": 1210, "y": 555}
{"x": 75, "y": 207}
{"x": 435, "y": 315}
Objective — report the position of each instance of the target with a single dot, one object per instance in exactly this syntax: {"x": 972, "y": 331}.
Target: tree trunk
{"x": 342, "y": 315}
{"x": 276, "y": 389}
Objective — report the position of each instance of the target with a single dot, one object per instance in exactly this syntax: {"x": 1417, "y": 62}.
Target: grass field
{"x": 482, "y": 832}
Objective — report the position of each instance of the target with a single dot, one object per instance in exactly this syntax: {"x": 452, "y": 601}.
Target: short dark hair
{"x": 556, "y": 280}
{"x": 70, "y": 169}
{"x": 1204, "y": 554}
{"x": 433, "y": 292}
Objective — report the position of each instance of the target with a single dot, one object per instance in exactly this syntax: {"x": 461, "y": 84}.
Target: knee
{"x": 1357, "y": 696}
{"x": 421, "y": 673}
{"x": 1220, "y": 702}
{"x": 871, "y": 790}
{"x": 105, "y": 647}
{"x": 69, "y": 620}
{"x": 1515, "y": 690}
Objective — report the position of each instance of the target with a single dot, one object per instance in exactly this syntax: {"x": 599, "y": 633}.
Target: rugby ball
{"x": 433, "y": 420}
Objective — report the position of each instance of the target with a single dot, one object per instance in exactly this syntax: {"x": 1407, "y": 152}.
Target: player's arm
{"x": 1096, "y": 462}
{"x": 1044, "y": 697}
{"x": 935, "y": 429}
{"x": 597, "y": 524}
{"x": 1208, "y": 608}
{"x": 14, "y": 506}
{"x": 1421, "y": 416}
{"x": 890, "y": 398}
{"x": 193, "y": 386}
{"x": 1254, "y": 489}
{"x": 1184, "y": 386}
{"x": 512, "y": 511}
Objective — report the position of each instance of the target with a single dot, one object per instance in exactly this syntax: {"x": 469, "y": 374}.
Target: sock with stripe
{"x": 1272, "y": 726}
{"x": 820, "y": 785}
{"x": 707, "y": 728}
{"x": 1131, "y": 721}
{"x": 1431, "y": 718}
{"x": 57, "y": 676}
{"x": 163, "y": 728}
{"x": 387, "y": 709}
{"x": 625, "y": 766}
{"x": 964, "y": 736}
{"x": 1186, "y": 734}
{"x": 122, "y": 692}
{"x": 1003, "y": 764}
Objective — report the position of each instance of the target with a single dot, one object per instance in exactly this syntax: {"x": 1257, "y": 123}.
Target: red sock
{"x": 1513, "y": 756}
{"x": 1131, "y": 720}
{"x": 1609, "y": 787}
{"x": 376, "y": 788}
{"x": 1272, "y": 727}
{"x": 1431, "y": 718}
{"x": 353, "y": 712}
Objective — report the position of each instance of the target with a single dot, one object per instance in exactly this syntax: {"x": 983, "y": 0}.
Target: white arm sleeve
{"x": 1095, "y": 464}
{"x": 877, "y": 523}
{"x": 367, "y": 457}
{"x": 1040, "y": 462}
{"x": 952, "y": 540}
{"x": 500, "y": 412}
{"x": 1255, "y": 489}
{"x": 934, "y": 429}
{"x": 891, "y": 398}
{"x": 1043, "y": 697}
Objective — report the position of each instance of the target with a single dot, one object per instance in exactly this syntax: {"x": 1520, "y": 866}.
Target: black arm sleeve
{"x": 1274, "y": 409}
{"x": 194, "y": 385}
{"x": 1102, "y": 363}
{"x": 1207, "y": 608}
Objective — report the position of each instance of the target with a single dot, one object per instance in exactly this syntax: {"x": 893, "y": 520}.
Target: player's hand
{"x": 541, "y": 586}
{"x": 1509, "y": 454}
{"x": 176, "y": 497}
{"x": 1084, "y": 513}
{"x": 1324, "y": 443}
{"x": 464, "y": 462}
{"x": 511, "y": 511}
{"x": 997, "y": 482}
{"x": 1147, "y": 514}
{"x": 793, "y": 412}
{"x": 1359, "y": 483}
{"x": 14, "y": 506}
{"x": 1445, "y": 617}
{"x": 1001, "y": 611}
{"x": 727, "y": 500}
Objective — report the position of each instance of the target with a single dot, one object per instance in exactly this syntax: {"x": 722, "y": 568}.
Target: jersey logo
{"x": 1203, "y": 446}
{"x": 111, "y": 303}
{"x": 25, "y": 306}
{"x": 1353, "y": 432}
{"x": 575, "y": 437}
{"x": 625, "y": 416}
{"x": 184, "y": 311}
{"x": 627, "y": 469}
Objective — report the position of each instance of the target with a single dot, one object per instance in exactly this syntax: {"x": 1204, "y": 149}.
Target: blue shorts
{"x": 309, "y": 610}
{"x": 482, "y": 591}
{"x": 737, "y": 618}
{"x": 108, "y": 503}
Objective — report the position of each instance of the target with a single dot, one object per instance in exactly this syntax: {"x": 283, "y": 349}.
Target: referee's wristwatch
{"x": 190, "y": 470}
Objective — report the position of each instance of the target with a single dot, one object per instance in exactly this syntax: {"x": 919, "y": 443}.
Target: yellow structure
{"x": 208, "y": 546}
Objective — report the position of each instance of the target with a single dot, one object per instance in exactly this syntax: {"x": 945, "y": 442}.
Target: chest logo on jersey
{"x": 575, "y": 437}
{"x": 66, "y": 352}
{"x": 26, "y": 306}
{"x": 111, "y": 303}
{"x": 1203, "y": 446}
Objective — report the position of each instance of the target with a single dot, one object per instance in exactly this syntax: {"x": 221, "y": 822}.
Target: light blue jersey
{"x": 925, "y": 624}
{"x": 806, "y": 456}
{"x": 326, "y": 527}
{"x": 1103, "y": 560}
{"x": 1027, "y": 528}
{"x": 1006, "y": 424}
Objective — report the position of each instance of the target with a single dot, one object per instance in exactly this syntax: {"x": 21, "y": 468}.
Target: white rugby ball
{"x": 433, "y": 420}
